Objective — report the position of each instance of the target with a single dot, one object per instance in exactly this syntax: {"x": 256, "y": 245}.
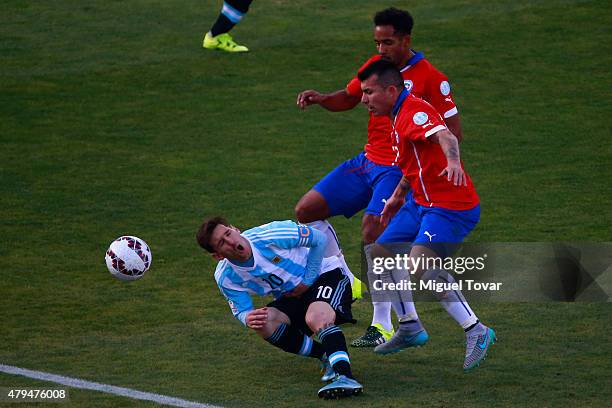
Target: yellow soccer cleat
{"x": 373, "y": 336}
{"x": 223, "y": 42}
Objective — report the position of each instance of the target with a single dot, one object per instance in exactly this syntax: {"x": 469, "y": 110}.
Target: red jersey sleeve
{"x": 420, "y": 121}
{"x": 439, "y": 93}
{"x": 354, "y": 86}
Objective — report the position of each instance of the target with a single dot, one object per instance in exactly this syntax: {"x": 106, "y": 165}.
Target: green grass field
{"x": 114, "y": 120}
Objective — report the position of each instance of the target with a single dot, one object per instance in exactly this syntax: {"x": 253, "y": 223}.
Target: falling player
{"x": 312, "y": 293}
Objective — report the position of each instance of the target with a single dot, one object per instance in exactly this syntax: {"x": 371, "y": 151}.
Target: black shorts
{"x": 331, "y": 287}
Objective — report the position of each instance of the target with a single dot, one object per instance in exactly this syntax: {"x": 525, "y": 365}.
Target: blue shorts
{"x": 356, "y": 184}
{"x": 430, "y": 225}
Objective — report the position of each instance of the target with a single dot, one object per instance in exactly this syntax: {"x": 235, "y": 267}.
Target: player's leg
{"x": 289, "y": 332}
{"x": 333, "y": 248}
{"x": 321, "y": 318}
{"x": 396, "y": 239}
{"x": 280, "y": 332}
{"x": 275, "y": 319}
{"x": 312, "y": 207}
{"x": 218, "y": 37}
{"x": 383, "y": 180}
{"x": 329, "y": 305}
{"x": 381, "y": 327}
{"x": 440, "y": 229}
{"x": 343, "y": 191}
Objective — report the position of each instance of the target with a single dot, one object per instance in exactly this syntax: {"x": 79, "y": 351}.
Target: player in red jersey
{"x": 442, "y": 209}
{"x": 368, "y": 179}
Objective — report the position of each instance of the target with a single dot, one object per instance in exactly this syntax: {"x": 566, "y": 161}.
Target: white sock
{"x": 407, "y": 314}
{"x": 453, "y": 300}
{"x": 405, "y": 310}
{"x": 401, "y": 300}
{"x": 404, "y": 307}
{"x": 381, "y": 309}
{"x": 382, "y": 315}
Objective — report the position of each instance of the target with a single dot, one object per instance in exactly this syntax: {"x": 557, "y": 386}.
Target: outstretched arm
{"x": 336, "y": 101}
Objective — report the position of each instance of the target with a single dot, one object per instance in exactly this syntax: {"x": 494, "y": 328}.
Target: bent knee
{"x": 317, "y": 320}
{"x": 302, "y": 213}
{"x": 311, "y": 207}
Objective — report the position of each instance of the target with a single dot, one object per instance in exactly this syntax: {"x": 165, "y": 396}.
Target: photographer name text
{"x": 438, "y": 287}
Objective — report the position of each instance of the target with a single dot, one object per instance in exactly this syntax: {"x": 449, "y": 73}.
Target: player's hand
{"x": 309, "y": 97}
{"x": 298, "y": 291}
{"x": 392, "y": 206}
{"x": 257, "y": 319}
{"x": 454, "y": 173}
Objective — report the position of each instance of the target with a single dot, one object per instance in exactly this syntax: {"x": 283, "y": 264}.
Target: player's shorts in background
{"x": 356, "y": 184}
{"x": 430, "y": 226}
{"x": 331, "y": 287}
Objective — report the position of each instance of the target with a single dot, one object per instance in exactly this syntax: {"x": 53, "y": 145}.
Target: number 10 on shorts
{"x": 324, "y": 292}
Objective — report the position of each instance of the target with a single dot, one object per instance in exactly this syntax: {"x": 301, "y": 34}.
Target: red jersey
{"x": 422, "y": 80}
{"x": 422, "y": 160}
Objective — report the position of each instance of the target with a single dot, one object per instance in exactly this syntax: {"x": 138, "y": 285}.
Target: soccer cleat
{"x": 327, "y": 371}
{"x": 223, "y": 42}
{"x": 373, "y": 336}
{"x": 477, "y": 346}
{"x": 342, "y": 386}
{"x": 401, "y": 340}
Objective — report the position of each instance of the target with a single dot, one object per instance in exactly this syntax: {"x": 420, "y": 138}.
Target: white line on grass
{"x": 111, "y": 389}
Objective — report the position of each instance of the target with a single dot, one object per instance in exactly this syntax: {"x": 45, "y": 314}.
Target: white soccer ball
{"x": 128, "y": 258}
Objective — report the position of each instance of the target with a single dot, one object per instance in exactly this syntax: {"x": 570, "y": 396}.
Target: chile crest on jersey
{"x": 408, "y": 84}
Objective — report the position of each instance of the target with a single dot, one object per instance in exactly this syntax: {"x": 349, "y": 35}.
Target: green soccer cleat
{"x": 373, "y": 336}
{"x": 402, "y": 340}
{"x": 341, "y": 387}
{"x": 477, "y": 346}
{"x": 223, "y": 42}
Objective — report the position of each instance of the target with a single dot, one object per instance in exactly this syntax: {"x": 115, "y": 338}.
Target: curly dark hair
{"x": 401, "y": 20}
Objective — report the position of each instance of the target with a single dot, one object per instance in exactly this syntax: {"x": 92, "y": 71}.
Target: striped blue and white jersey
{"x": 281, "y": 251}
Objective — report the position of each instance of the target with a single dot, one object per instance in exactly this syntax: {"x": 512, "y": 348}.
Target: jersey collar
{"x": 248, "y": 264}
{"x": 415, "y": 58}
{"x": 400, "y": 100}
